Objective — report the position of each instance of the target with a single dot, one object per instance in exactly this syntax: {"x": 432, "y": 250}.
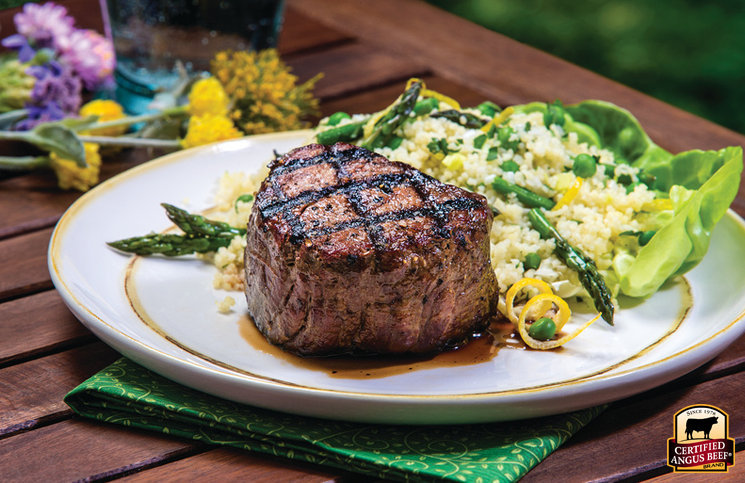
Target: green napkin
{"x": 128, "y": 394}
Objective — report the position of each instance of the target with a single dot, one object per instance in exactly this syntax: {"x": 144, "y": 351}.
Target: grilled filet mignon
{"x": 348, "y": 252}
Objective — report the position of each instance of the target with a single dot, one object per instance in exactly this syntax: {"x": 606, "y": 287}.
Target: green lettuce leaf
{"x": 619, "y": 132}
{"x": 682, "y": 243}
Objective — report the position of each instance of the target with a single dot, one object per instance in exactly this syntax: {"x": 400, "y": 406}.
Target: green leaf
{"x": 60, "y": 140}
{"x": 690, "y": 169}
{"x": 618, "y": 131}
{"x": 681, "y": 244}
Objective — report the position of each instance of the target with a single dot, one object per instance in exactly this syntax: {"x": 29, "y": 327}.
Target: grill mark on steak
{"x": 352, "y": 191}
{"x": 385, "y": 181}
{"x": 372, "y": 222}
{"x": 344, "y": 156}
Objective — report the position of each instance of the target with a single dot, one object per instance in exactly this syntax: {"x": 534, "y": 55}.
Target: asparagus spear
{"x": 170, "y": 245}
{"x": 392, "y": 119}
{"x": 197, "y": 225}
{"x": 200, "y": 235}
{"x": 346, "y": 133}
{"x": 465, "y": 119}
{"x": 524, "y": 195}
{"x": 589, "y": 277}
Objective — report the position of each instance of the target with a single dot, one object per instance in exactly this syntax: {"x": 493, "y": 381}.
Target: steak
{"x": 348, "y": 252}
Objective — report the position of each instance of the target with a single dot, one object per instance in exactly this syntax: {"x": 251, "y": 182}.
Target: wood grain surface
{"x": 367, "y": 51}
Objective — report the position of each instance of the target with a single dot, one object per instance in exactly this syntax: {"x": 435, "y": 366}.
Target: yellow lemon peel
{"x": 547, "y": 344}
{"x": 540, "y": 285}
{"x": 536, "y": 307}
{"x": 570, "y": 194}
{"x": 507, "y": 112}
{"x": 440, "y": 97}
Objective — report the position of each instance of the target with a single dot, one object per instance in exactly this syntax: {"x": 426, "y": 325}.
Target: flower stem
{"x": 128, "y": 121}
{"x": 14, "y": 135}
{"x": 132, "y": 142}
{"x": 23, "y": 162}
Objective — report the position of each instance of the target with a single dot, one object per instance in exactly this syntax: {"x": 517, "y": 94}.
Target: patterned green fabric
{"x": 128, "y": 394}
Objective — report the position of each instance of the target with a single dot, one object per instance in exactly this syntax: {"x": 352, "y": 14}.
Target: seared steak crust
{"x": 348, "y": 252}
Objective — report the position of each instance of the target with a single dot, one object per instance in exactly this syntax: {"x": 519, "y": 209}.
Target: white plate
{"x": 654, "y": 341}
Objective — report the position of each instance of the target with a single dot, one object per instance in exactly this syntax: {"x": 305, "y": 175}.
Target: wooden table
{"x": 367, "y": 50}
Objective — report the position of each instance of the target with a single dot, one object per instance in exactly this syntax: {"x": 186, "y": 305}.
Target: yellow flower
{"x": 70, "y": 175}
{"x": 265, "y": 95}
{"x": 106, "y": 110}
{"x": 207, "y": 96}
{"x": 209, "y": 128}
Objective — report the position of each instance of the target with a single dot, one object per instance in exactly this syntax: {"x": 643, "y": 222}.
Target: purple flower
{"x": 56, "y": 94}
{"x": 44, "y": 24}
{"x": 20, "y": 43}
{"x": 38, "y": 115}
{"x": 89, "y": 54}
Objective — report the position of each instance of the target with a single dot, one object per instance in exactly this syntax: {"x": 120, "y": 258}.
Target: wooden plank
{"x": 300, "y": 33}
{"x": 82, "y": 450}
{"x": 234, "y": 464}
{"x": 24, "y": 262}
{"x": 502, "y": 69}
{"x": 730, "y": 361}
{"x": 631, "y": 441}
{"x": 31, "y": 393}
{"x": 353, "y": 68}
{"x": 735, "y": 474}
{"x": 36, "y": 325}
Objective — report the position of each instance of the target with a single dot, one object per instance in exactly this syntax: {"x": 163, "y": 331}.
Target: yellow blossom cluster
{"x": 106, "y": 110}
{"x": 209, "y": 128}
{"x": 207, "y": 96}
{"x": 70, "y": 175}
{"x": 209, "y": 106}
{"x": 266, "y": 97}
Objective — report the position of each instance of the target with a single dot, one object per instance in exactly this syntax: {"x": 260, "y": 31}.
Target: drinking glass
{"x": 156, "y": 40}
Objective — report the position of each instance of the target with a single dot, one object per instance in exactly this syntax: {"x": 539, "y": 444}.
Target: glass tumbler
{"x": 155, "y": 40}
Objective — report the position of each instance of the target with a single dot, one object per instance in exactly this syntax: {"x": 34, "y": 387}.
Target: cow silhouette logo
{"x": 701, "y": 443}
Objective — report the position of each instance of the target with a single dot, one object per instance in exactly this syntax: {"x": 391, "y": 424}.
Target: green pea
{"x": 532, "y": 261}
{"x": 646, "y": 236}
{"x": 337, "y": 117}
{"x": 584, "y": 165}
{"x": 510, "y": 166}
{"x": 542, "y": 329}
{"x": 245, "y": 198}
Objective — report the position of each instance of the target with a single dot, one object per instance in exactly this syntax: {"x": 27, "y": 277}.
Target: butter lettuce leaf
{"x": 619, "y": 132}
{"x": 682, "y": 243}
